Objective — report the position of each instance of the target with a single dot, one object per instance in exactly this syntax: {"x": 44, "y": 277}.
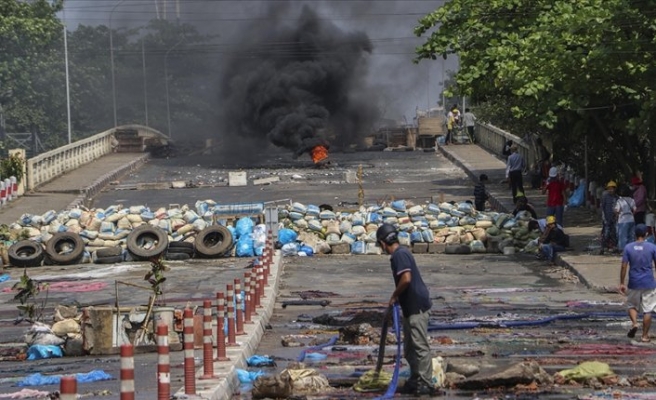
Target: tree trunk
{"x": 621, "y": 157}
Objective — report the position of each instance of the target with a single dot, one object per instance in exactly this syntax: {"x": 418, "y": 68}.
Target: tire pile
{"x": 458, "y": 225}
{"x": 117, "y": 234}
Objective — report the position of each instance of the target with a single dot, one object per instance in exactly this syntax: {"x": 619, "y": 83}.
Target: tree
{"x": 559, "y": 68}
{"x": 28, "y": 32}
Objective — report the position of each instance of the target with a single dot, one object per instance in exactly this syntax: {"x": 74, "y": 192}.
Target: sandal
{"x": 645, "y": 340}
{"x": 632, "y": 332}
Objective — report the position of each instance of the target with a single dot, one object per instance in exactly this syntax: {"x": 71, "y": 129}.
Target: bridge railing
{"x": 493, "y": 139}
{"x": 49, "y": 165}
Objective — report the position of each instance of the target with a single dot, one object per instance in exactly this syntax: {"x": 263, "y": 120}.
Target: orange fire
{"x": 319, "y": 153}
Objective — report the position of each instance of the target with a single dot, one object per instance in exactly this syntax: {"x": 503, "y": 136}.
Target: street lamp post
{"x": 166, "y": 84}
{"x": 111, "y": 56}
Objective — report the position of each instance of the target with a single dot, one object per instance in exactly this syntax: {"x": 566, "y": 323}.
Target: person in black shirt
{"x": 523, "y": 205}
{"x": 412, "y": 295}
{"x": 553, "y": 240}
{"x": 480, "y": 194}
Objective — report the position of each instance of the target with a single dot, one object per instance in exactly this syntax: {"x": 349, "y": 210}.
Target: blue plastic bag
{"x": 244, "y": 226}
{"x": 307, "y": 250}
{"x": 248, "y": 376}
{"x": 245, "y": 246}
{"x": 260, "y": 361}
{"x": 286, "y": 236}
{"x": 578, "y": 197}
{"x": 315, "y": 356}
{"x": 39, "y": 352}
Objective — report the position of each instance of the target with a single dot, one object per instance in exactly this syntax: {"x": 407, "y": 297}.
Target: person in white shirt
{"x": 470, "y": 121}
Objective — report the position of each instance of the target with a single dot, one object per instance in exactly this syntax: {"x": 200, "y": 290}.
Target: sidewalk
{"x": 73, "y": 188}
{"x": 583, "y": 225}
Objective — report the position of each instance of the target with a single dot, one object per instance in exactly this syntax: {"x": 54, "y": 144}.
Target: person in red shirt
{"x": 555, "y": 189}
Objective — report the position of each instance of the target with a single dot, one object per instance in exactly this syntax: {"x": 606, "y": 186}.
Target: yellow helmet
{"x": 611, "y": 184}
{"x": 551, "y": 219}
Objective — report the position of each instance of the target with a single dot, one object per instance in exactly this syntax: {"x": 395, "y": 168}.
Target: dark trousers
{"x": 470, "y": 130}
{"x": 516, "y": 183}
{"x": 639, "y": 217}
{"x": 480, "y": 206}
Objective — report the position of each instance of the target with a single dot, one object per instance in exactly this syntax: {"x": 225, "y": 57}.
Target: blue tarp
{"x": 42, "y": 380}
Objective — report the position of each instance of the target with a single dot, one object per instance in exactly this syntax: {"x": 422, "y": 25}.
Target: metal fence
{"x": 493, "y": 139}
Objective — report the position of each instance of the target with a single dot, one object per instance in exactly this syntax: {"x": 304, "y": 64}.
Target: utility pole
{"x": 68, "y": 86}
{"x": 143, "y": 59}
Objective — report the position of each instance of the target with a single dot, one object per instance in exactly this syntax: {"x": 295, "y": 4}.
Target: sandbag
{"x": 477, "y": 246}
{"x": 312, "y": 210}
{"x": 453, "y": 239}
{"x": 483, "y": 224}
{"x": 301, "y": 224}
{"x": 327, "y": 215}
{"x": 299, "y": 208}
{"x": 398, "y": 205}
{"x": 315, "y": 225}
{"x": 404, "y": 239}
{"x": 333, "y": 228}
{"x": 358, "y": 247}
{"x": 333, "y": 238}
{"x": 479, "y": 234}
{"x": 125, "y": 223}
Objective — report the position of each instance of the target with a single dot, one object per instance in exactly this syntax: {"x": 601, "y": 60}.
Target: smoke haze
{"x": 291, "y": 82}
{"x": 288, "y": 70}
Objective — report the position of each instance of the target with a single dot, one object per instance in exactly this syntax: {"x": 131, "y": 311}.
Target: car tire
{"x": 177, "y": 256}
{"x": 109, "y": 252}
{"x": 55, "y": 248}
{"x": 108, "y": 260}
{"x": 213, "y": 241}
{"x": 26, "y": 253}
{"x": 180, "y": 245}
{"x": 140, "y": 235}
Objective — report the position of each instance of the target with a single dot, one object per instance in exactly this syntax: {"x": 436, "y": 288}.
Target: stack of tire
{"x": 143, "y": 243}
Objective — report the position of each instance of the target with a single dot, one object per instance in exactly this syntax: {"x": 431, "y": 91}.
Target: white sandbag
{"x": 74, "y": 229}
{"x": 333, "y": 238}
{"x": 135, "y": 225}
{"x": 464, "y": 221}
{"x": 372, "y": 249}
{"x": 345, "y": 226}
{"x": 111, "y": 243}
{"x": 370, "y": 237}
{"x": 124, "y": 223}
{"x": 347, "y": 238}
{"x": 358, "y": 248}
{"x": 404, "y": 220}
{"x": 199, "y": 225}
{"x": 453, "y": 239}
{"x": 388, "y": 212}
{"x": 357, "y": 219}
{"x": 391, "y": 220}
{"x": 121, "y": 234}
{"x": 295, "y": 215}
{"x": 32, "y": 232}
{"x": 312, "y": 210}
{"x": 404, "y": 239}
{"x": 477, "y": 246}
{"x": 97, "y": 243}
{"x": 332, "y": 227}
{"x": 483, "y": 224}
{"x": 114, "y": 217}
{"x": 416, "y": 210}
{"x": 190, "y": 216}
{"x": 299, "y": 208}
{"x": 427, "y": 235}
{"x": 322, "y": 247}
{"x": 434, "y": 224}
{"x": 185, "y": 229}
{"x": 132, "y": 218}
{"x": 479, "y": 234}
{"x": 89, "y": 234}
{"x": 75, "y": 213}
{"x": 106, "y": 227}
{"x": 407, "y": 227}
{"x": 358, "y": 230}
{"x": 315, "y": 225}
{"x": 165, "y": 225}
{"x": 177, "y": 223}
{"x": 371, "y": 228}
{"x": 54, "y": 227}
{"x": 136, "y": 209}
{"x": 301, "y": 223}
{"x": 327, "y": 214}
{"x": 432, "y": 209}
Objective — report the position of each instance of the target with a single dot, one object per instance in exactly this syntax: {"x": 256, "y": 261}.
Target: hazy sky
{"x": 389, "y": 25}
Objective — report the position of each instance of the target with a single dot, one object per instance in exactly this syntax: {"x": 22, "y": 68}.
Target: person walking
{"x": 609, "y": 229}
{"x": 412, "y": 295}
{"x": 624, "y": 209}
{"x": 480, "y": 193}
{"x": 640, "y": 198}
{"x": 515, "y": 167}
{"x": 639, "y": 260}
{"x": 470, "y": 122}
{"x": 452, "y": 122}
{"x": 555, "y": 189}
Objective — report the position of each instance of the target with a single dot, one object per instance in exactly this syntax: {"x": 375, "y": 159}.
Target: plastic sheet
{"x": 43, "y": 380}
{"x": 40, "y": 352}
{"x": 247, "y": 377}
{"x": 260, "y": 361}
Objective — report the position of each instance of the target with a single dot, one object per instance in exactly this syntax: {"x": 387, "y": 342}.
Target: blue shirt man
{"x": 639, "y": 259}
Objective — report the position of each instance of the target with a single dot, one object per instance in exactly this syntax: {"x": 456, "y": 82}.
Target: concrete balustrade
{"x": 493, "y": 139}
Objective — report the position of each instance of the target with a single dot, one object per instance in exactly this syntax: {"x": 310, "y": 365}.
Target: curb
{"x": 466, "y": 167}
{"x": 87, "y": 193}
{"x": 226, "y": 384}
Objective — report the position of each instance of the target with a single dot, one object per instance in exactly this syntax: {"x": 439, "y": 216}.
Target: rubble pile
{"x": 456, "y": 227}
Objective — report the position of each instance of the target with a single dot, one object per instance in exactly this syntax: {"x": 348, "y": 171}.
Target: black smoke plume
{"x": 299, "y": 84}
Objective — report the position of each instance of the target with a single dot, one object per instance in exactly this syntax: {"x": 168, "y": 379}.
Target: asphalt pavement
{"x": 418, "y": 176}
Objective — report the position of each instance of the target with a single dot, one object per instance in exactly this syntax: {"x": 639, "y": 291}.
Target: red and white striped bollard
{"x": 239, "y": 310}
{"x": 220, "y": 334}
{"x": 189, "y": 367}
{"x": 163, "y": 363}
{"x": 208, "y": 349}
{"x": 230, "y": 299}
{"x": 127, "y": 372}
{"x": 68, "y": 388}
{"x": 248, "y": 318}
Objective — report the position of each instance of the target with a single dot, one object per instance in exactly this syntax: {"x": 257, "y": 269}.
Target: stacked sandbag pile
{"x": 452, "y": 224}
{"x": 110, "y": 227}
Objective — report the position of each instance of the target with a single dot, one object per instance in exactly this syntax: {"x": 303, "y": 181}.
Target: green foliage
{"x": 13, "y": 165}
{"x": 156, "y": 276}
{"x": 559, "y": 68}
{"x": 28, "y": 291}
